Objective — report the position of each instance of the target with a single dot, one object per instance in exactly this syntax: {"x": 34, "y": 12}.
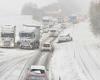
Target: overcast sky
{"x": 14, "y": 6}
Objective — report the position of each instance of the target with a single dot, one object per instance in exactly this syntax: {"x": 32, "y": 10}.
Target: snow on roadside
{"x": 63, "y": 65}
{"x": 83, "y": 35}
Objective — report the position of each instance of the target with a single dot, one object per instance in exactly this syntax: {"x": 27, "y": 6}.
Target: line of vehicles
{"x": 28, "y": 37}
{"x": 38, "y": 72}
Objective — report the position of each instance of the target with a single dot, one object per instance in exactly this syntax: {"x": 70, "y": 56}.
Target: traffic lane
{"x": 31, "y": 61}
{"x": 9, "y": 65}
{"x": 16, "y": 58}
{"x": 62, "y": 62}
{"x": 8, "y": 54}
{"x": 88, "y": 65}
{"x": 42, "y": 60}
{"x": 94, "y": 51}
{"x": 14, "y": 72}
{"x": 45, "y": 58}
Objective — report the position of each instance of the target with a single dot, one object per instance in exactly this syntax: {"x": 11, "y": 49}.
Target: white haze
{"x": 13, "y": 7}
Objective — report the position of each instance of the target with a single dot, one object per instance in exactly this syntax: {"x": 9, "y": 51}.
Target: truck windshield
{"x": 11, "y": 35}
{"x": 30, "y": 35}
{"x": 46, "y": 45}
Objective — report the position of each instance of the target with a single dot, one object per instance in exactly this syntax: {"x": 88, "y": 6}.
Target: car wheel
{"x": 71, "y": 39}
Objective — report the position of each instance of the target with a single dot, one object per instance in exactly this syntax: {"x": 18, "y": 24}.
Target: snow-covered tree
{"x": 95, "y": 17}
{"x": 32, "y": 9}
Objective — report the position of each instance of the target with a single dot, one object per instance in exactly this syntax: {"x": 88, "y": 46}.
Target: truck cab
{"x": 8, "y": 36}
{"x": 29, "y": 38}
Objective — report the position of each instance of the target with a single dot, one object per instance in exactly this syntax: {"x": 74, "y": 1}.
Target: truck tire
{"x": 38, "y": 44}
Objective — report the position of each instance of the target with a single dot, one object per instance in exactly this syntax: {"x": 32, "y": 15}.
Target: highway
{"x": 15, "y": 62}
{"x": 79, "y": 59}
{"x": 8, "y": 68}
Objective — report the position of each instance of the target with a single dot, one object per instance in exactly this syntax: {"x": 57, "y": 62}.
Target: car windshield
{"x": 46, "y": 45}
{"x": 11, "y": 35}
{"x": 37, "y": 71}
{"x": 30, "y": 35}
{"x": 45, "y": 20}
{"x": 65, "y": 35}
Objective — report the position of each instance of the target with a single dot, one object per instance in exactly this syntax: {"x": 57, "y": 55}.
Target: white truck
{"x": 29, "y": 37}
{"x": 7, "y": 36}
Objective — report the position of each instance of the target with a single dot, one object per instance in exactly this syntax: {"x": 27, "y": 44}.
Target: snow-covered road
{"x": 86, "y": 50}
{"x": 79, "y": 59}
{"x": 75, "y": 60}
{"x": 13, "y": 62}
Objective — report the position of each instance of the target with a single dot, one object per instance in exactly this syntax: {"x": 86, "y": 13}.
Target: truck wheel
{"x": 21, "y": 47}
{"x": 32, "y": 47}
{"x": 37, "y": 45}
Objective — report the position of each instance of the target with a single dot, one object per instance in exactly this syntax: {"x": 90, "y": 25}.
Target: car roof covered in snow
{"x": 68, "y": 31}
{"x": 28, "y": 29}
{"x": 38, "y": 67}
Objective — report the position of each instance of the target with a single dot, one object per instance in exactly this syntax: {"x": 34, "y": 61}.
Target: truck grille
{"x": 7, "y": 43}
{"x": 26, "y": 43}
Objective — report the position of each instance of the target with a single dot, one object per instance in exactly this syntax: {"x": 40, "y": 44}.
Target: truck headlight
{"x": 12, "y": 44}
{"x": 1, "y": 44}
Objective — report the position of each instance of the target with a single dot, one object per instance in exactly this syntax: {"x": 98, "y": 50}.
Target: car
{"x": 47, "y": 47}
{"x": 37, "y": 73}
{"x": 64, "y": 38}
{"x": 45, "y": 30}
{"x": 53, "y": 33}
